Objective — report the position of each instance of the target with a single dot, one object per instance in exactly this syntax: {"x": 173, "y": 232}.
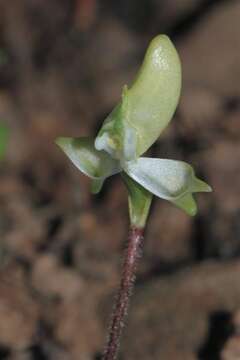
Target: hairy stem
{"x": 132, "y": 256}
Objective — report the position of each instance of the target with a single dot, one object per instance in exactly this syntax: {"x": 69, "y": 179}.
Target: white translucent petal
{"x": 167, "y": 179}
{"x": 129, "y": 143}
{"x": 93, "y": 163}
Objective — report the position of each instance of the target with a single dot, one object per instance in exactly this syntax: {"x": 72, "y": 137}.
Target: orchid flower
{"x": 145, "y": 109}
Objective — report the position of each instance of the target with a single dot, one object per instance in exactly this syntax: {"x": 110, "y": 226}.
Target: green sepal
{"x": 186, "y": 203}
{"x": 139, "y": 202}
{"x": 96, "y": 185}
{"x": 98, "y": 165}
{"x": 168, "y": 179}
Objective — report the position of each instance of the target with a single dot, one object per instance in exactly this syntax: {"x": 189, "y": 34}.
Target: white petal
{"x": 93, "y": 163}
{"x": 168, "y": 179}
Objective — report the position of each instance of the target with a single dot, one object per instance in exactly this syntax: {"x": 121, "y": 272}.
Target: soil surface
{"x": 62, "y": 67}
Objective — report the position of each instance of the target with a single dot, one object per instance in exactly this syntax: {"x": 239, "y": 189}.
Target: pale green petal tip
{"x": 187, "y": 203}
{"x": 66, "y": 144}
{"x": 200, "y": 186}
{"x": 62, "y": 141}
{"x": 96, "y": 185}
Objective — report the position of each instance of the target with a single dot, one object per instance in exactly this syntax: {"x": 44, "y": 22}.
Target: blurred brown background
{"x": 62, "y": 67}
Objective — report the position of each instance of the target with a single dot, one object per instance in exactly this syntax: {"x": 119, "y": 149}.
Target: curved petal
{"x": 147, "y": 106}
{"x": 168, "y": 179}
{"x": 96, "y": 164}
{"x": 154, "y": 95}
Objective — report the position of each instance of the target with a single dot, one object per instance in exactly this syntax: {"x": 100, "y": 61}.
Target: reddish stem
{"x": 133, "y": 253}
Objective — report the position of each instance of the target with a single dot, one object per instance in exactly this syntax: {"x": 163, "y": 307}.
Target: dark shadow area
{"x": 140, "y": 16}
{"x": 109, "y": 183}
{"x": 220, "y": 329}
{"x": 232, "y": 104}
{"x": 189, "y": 21}
{"x": 137, "y": 15}
{"x": 162, "y": 268}
{"x": 37, "y": 352}
{"x": 98, "y": 356}
{"x": 4, "y": 352}
{"x": 54, "y": 225}
{"x": 67, "y": 255}
{"x": 199, "y": 240}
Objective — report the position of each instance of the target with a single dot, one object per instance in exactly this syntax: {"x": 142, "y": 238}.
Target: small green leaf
{"x": 168, "y": 179}
{"x": 139, "y": 202}
{"x": 4, "y": 135}
{"x": 96, "y": 164}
